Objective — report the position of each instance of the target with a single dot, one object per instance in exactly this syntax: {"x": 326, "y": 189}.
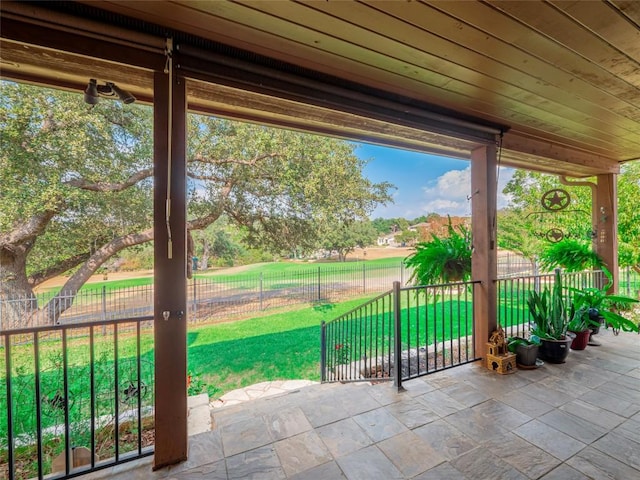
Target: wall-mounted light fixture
{"x": 93, "y": 92}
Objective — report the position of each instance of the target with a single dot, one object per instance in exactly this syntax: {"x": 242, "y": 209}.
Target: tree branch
{"x": 57, "y": 269}
{"x": 203, "y": 222}
{"x": 224, "y": 161}
{"x": 64, "y": 299}
{"x": 28, "y": 229}
{"x": 110, "y": 187}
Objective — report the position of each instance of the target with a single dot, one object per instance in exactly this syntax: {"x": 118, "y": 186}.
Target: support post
{"x": 606, "y": 240}
{"x": 170, "y": 270}
{"x": 397, "y": 336}
{"x": 484, "y": 254}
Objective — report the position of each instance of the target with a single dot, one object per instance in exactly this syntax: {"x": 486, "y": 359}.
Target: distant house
{"x": 387, "y": 240}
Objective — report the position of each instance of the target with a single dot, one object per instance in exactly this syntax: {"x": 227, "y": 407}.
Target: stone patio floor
{"x": 578, "y": 420}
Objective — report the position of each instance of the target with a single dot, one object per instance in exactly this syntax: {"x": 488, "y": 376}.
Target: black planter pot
{"x": 555, "y": 351}
{"x": 596, "y": 317}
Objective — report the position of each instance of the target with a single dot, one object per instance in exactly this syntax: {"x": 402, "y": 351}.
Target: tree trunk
{"x": 67, "y": 294}
{"x": 17, "y": 301}
{"x": 203, "y": 262}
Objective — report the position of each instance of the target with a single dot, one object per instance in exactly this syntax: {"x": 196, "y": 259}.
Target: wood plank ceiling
{"x": 561, "y": 78}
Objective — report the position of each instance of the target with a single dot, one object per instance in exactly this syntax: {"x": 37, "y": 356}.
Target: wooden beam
{"x": 67, "y": 40}
{"x": 485, "y": 249}
{"x": 551, "y": 150}
{"x": 607, "y": 226}
{"x": 170, "y": 271}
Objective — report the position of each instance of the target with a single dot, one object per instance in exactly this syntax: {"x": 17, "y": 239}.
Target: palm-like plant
{"x": 593, "y": 303}
{"x": 442, "y": 260}
{"x": 548, "y": 311}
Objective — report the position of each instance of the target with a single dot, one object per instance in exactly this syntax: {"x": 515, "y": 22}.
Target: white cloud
{"x": 449, "y": 193}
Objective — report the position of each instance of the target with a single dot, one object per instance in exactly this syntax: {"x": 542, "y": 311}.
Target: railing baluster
{"x": 92, "y": 400}
{"x": 139, "y": 386}
{"x": 116, "y": 394}
{"x": 65, "y": 386}
{"x": 36, "y": 366}
{"x": 8, "y": 369}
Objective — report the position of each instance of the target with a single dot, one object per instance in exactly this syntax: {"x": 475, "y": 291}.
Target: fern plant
{"x": 442, "y": 260}
{"x": 571, "y": 256}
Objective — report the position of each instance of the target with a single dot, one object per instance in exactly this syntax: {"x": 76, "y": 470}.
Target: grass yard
{"x": 280, "y": 346}
{"x": 239, "y": 274}
{"x": 221, "y": 357}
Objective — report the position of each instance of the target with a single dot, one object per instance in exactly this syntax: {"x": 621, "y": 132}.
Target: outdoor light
{"x": 93, "y": 92}
{"x": 123, "y": 95}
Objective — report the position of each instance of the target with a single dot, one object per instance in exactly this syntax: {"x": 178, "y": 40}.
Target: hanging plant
{"x": 442, "y": 260}
{"x": 572, "y": 256}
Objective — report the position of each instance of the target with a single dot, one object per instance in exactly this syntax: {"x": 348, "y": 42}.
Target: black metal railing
{"x": 436, "y": 328}
{"x": 420, "y": 329}
{"x": 512, "y": 310}
{"x": 426, "y": 329}
{"x": 358, "y": 345}
{"x": 78, "y": 397}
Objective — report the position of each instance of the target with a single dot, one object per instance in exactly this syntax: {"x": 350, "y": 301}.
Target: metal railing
{"x": 512, "y": 310}
{"x": 221, "y": 296}
{"x": 78, "y": 398}
{"x": 420, "y": 330}
{"x": 358, "y": 345}
{"x": 209, "y": 297}
{"x": 429, "y": 328}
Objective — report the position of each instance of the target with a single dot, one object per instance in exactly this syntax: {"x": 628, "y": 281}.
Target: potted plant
{"x": 601, "y": 306}
{"x": 442, "y": 260}
{"x": 526, "y": 351}
{"x": 580, "y": 325}
{"x": 551, "y": 320}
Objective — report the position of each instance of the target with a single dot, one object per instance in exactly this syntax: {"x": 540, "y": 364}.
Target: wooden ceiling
{"x": 560, "y": 79}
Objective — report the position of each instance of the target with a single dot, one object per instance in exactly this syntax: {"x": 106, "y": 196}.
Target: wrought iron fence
{"x": 359, "y": 344}
{"x": 209, "y": 297}
{"x": 78, "y": 397}
{"x": 512, "y": 310}
{"x": 419, "y": 329}
{"x": 221, "y": 296}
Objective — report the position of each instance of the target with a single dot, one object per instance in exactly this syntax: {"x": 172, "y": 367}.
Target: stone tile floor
{"x": 579, "y": 420}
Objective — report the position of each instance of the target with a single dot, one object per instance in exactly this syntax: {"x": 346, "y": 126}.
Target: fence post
{"x": 364, "y": 279}
{"x": 401, "y": 273}
{"x": 628, "y": 271}
{"x": 104, "y": 302}
{"x": 397, "y": 351}
{"x": 261, "y": 290}
{"x": 319, "y": 296}
{"x": 323, "y": 351}
{"x": 195, "y": 300}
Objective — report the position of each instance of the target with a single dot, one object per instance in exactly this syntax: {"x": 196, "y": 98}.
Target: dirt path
{"x": 371, "y": 253}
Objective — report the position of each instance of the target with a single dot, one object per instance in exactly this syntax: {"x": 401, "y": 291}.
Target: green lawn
{"x": 225, "y": 356}
{"x": 266, "y": 269}
{"x": 280, "y": 346}
{"x": 250, "y": 272}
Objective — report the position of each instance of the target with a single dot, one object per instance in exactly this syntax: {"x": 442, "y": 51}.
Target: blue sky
{"x": 425, "y": 183}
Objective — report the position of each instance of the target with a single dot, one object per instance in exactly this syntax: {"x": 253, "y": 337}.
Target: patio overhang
{"x": 556, "y": 85}
{"x": 564, "y": 106}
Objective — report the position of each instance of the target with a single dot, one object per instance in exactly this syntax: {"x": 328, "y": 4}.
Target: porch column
{"x": 170, "y": 270}
{"x": 606, "y": 240}
{"x": 485, "y": 253}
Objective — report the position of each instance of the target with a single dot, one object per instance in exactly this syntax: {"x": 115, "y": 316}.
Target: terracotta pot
{"x": 581, "y": 340}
